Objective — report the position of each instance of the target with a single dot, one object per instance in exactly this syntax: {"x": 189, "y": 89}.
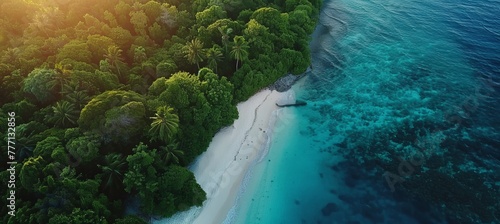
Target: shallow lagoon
{"x": 390, "y": 79}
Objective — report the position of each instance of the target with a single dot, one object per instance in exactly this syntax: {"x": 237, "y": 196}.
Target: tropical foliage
{"x": 194, "y": 52}
{"x": 239, "y": 50}
{"x": 113, "y": 99}
{"x": 165, "y": 124}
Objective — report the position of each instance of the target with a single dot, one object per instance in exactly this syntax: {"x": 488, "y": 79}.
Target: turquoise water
{"x": 393, "y": 82}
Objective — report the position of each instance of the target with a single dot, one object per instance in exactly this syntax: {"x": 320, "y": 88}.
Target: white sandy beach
{"x": 221, "y": 169}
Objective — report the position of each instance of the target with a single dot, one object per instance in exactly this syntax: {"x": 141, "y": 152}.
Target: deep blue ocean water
{"x": 393, "y": 82}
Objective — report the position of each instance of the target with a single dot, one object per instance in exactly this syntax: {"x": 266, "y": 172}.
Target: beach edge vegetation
{"x": 113, "y": 99}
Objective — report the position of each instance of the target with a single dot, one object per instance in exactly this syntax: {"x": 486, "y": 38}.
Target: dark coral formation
{"x": 458, "y": 176}
{"x": 329, "y": 209}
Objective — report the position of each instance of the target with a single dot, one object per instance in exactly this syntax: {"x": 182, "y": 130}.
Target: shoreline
{"x": 222, "y": 178}
{"x": 221, "y": 169}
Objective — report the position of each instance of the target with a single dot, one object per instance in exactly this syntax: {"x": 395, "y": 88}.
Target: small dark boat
{"x": 297, "y": 103}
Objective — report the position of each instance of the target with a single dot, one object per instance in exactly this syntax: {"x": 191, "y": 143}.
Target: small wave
{"x": 185, "y": 217}
{"x": 333, "y": 22}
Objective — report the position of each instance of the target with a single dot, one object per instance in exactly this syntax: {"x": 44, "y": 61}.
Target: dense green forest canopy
{"x": 113, "y": 99}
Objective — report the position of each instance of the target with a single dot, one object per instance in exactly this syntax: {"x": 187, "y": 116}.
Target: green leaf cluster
{"x": 162, "y": 190}
{"x": 202, "y": 102}
{"x": 113, "y": 99}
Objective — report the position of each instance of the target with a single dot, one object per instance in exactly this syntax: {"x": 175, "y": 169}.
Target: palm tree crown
{"x": 113, "y": 56}
{"x": 112, "y": 170}
{"x": 194, "y": 52}
{"x": 214, "y": 55}
{"x": 240, "y": 49}
{"x": 11, "y": 55}
{"x": 225, "y": 36}
{"x": 65, "y": 114}
{"x": 165, "y": 124}
{"x": 172, "y": 152}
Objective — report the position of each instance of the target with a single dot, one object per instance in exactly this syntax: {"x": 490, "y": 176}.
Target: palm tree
{"x": 112, "y": 171}
{"x": 194, "y": 52}
{"x": 240, "y": 49}
{"x": 165, "y": 124}
{"x": 225, "y": 36}
{"x": 47, "y": 19}
{"x": 214, "y": 55}
{"x": 62, "y": 76}
{"x": 114, "y": 56}
{"x": 74, "y": 95}
{"x": 40, "y": 21}
{"x": 172, "y": 152}
{"x": 79, "y": 98}
{"x": 11, "y": 55}
{"x": 65, "y": 114}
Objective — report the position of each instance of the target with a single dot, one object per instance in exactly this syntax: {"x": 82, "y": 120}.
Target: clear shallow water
{"x": 390, "y": 79}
